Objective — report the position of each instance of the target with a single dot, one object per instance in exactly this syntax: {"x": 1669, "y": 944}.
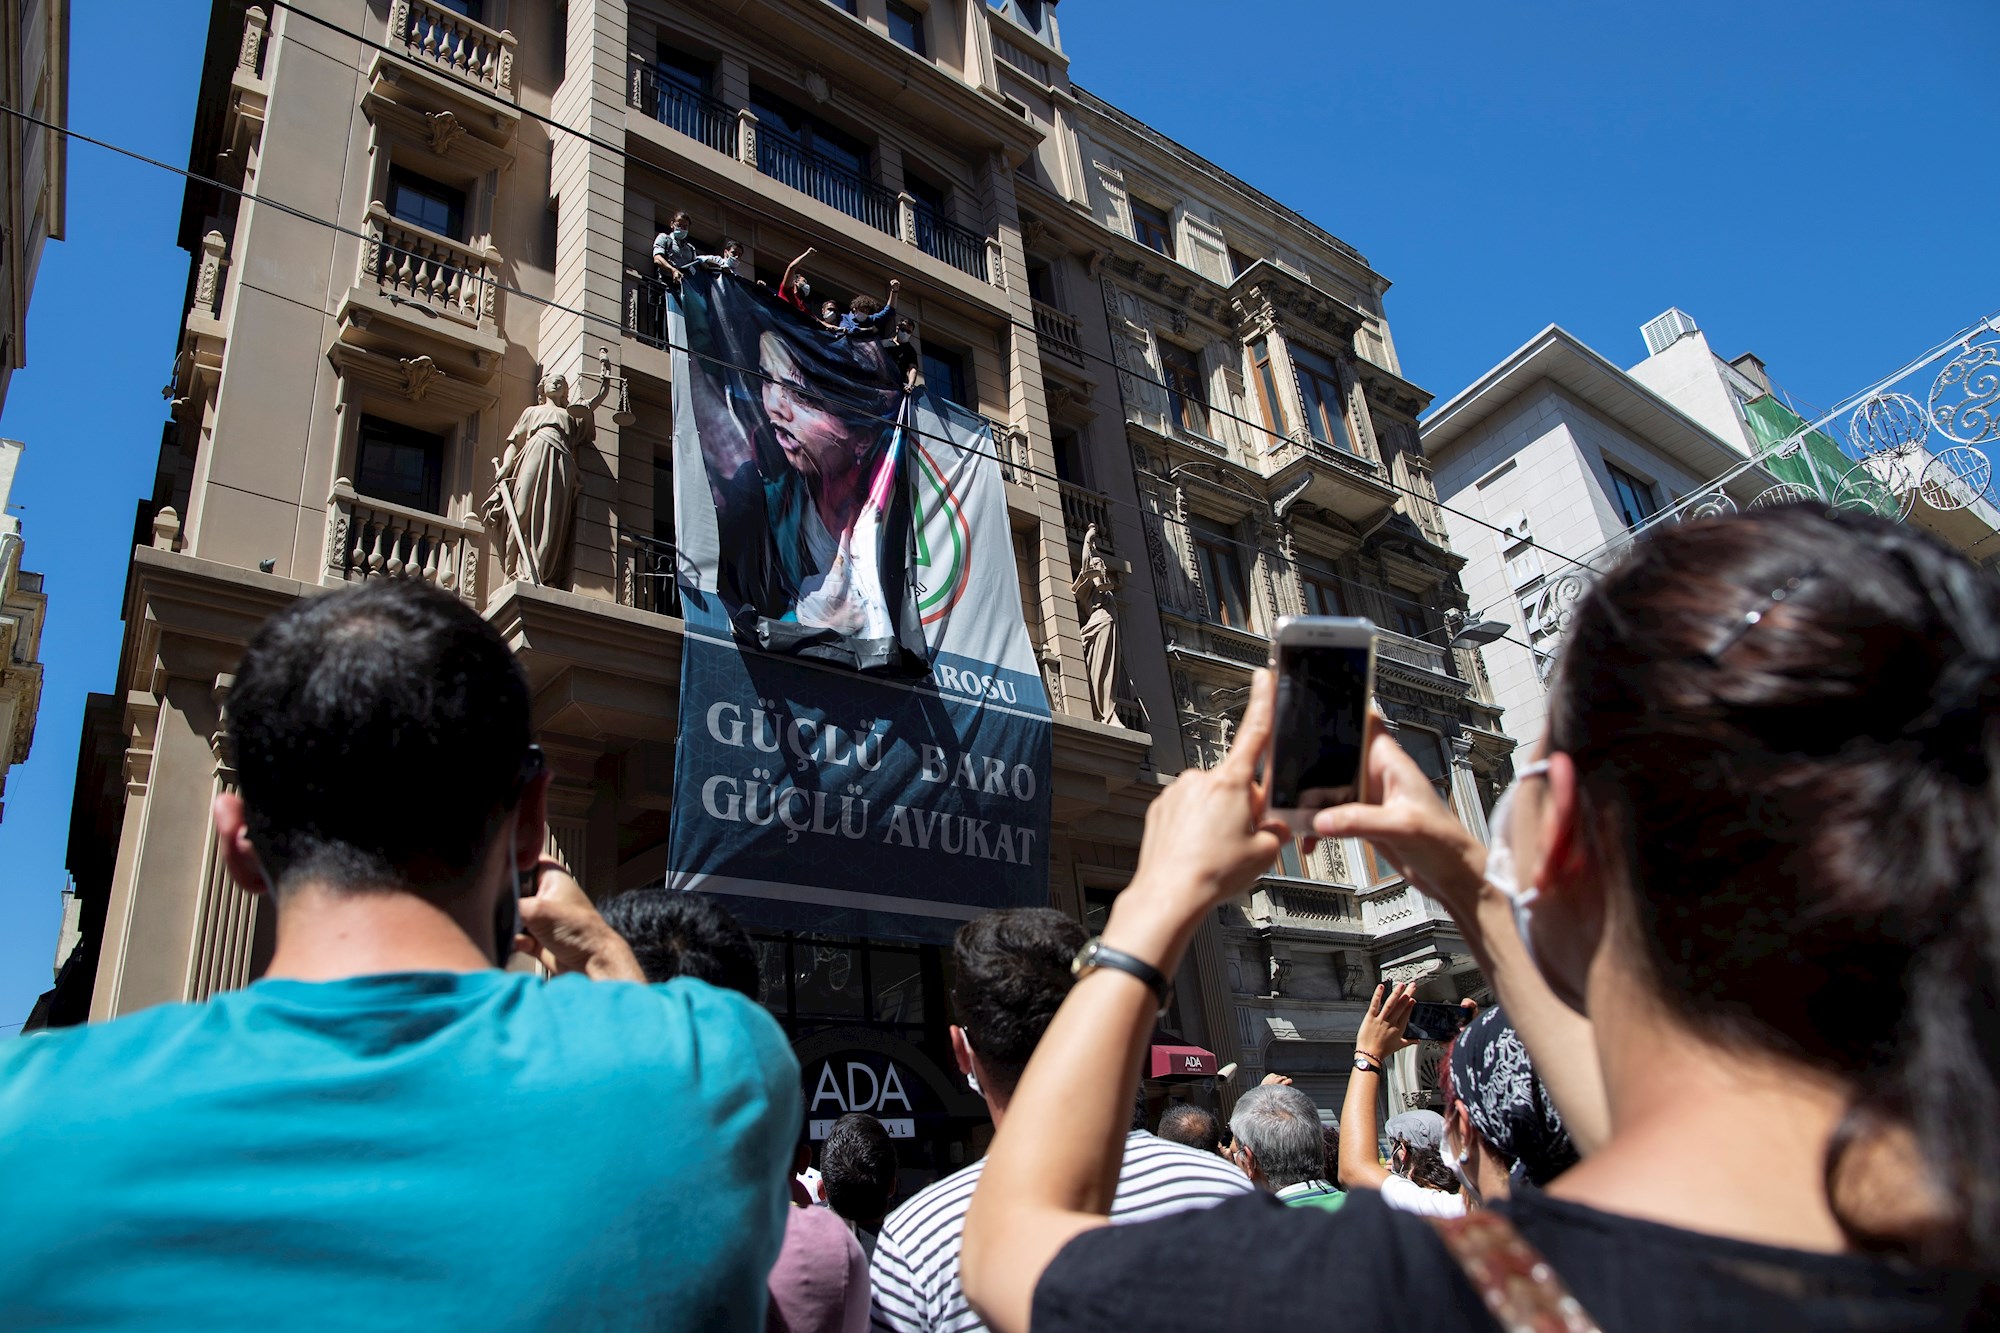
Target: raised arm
{"x": 1053, "y": 1166}
{"x": 1380, "y": 1036}
{"x": 1408, "y": 824}
{"x": 785, "y": 283}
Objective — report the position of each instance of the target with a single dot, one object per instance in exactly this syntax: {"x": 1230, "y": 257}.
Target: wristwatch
{"x": 1098, "y": 954}
{"x": 1365, "y": 1065}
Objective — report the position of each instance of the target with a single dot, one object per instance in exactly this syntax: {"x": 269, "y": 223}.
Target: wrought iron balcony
{"x": 646, "y": 568}
{"x": 646, "y": 305}
{"x": 827, "y": 181}
{"x": 940, "y": 239}
{"x": 679, "y": 108}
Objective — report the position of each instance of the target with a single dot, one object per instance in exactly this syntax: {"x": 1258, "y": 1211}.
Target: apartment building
{"x": 34, "y": 78}
{"x": 1166, "y": 355}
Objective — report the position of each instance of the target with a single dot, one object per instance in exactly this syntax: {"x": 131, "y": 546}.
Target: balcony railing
{"x": 700, "y": 118}
{"x": 962, "y": 249}
{"x": 827, "y": 181}
{"x": 1412, "y": 652}
{"x": 646, "y": 575}
{"x": 1082, "y": 507}
{"x": 1058, "y": 331}
{"x": 453, "y": 42}
{"x": 646, "y": 307}
{"x": 410, "y": 264}
{"x": 369, "y": 538}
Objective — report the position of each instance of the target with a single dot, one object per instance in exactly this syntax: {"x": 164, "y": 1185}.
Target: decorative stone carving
{"x": 817, "y": 87}
{"x": 444, "y": 131}
{"x": 1096, "y": 589}
{"x": 418, "y": 375}
{"x": 532, "y": 506}
{"x": 1034, "y": 233}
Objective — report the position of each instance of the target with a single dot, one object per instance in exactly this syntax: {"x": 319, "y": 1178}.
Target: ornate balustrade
{"x": 454, "y": 43}
{"x": 646, "y": 306}
{"x": 410, "y": 264}
{"x": 1331, "y": 907}
{"x": 681, "y": 109}
{"x": 1426, "y": 656}
{"x": 1082, "y": 507}
{"x": 1058, "y": 331}
{"x": 369, "y": 538}
{"x": 646, "y": 569}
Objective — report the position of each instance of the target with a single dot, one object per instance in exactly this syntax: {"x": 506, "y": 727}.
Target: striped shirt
{"x": 915, "y": 1269}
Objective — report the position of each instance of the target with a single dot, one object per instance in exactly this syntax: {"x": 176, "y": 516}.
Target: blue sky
{"x": 1811, "y": 182}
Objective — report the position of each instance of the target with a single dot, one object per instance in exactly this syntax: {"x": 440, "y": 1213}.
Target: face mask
{"x": 1456, "y": 1161}
{"x": 1500, "y": 871}
{"x": 804, "y": 288}
{"x": 680, "y": 233}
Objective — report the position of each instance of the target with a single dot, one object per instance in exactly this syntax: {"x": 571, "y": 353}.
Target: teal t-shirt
{"x": 423, "y": 1151}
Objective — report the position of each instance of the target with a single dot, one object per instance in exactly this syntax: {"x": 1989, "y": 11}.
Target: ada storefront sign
{"x": 861, "y": 1081}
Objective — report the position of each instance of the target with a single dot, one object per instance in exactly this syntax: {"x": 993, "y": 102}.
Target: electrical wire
{"x": 1143, "y": 514}
{"x": 864, "y": 255}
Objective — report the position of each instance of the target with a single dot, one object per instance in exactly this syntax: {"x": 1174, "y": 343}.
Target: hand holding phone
{"x": 1326, "y": 677}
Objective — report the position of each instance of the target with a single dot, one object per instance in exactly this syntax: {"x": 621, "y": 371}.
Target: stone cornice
{"x": 1264, "y": 295}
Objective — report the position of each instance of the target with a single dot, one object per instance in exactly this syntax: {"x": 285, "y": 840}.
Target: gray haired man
{"x": 1278, "y": 1145}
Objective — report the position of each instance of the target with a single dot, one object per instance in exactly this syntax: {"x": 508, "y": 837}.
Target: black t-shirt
{"x": 1255, "y": 1263}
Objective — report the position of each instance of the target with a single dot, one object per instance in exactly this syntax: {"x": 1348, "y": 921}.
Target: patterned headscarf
{"x": 1505, "y": 1101}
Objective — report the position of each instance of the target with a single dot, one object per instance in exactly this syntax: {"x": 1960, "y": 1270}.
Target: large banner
{"x": 864, "y": 736}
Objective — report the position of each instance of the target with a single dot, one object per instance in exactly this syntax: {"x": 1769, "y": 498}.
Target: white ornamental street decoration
{"x": 1965, "y": 400}
{"x": 1892, "y": 424}
{"x": 1956, "y": 477}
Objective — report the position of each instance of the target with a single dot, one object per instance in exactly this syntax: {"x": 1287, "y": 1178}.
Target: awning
{"x": 1182, "y": 1062}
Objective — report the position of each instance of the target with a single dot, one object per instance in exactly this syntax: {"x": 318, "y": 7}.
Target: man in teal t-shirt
{"x": 386, "y": 1131}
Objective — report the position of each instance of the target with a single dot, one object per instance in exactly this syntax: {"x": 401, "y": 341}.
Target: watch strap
{"x": 1098, "y": 954}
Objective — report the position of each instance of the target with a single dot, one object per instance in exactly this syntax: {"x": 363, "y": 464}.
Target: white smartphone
{"x": 1326, "y": 677}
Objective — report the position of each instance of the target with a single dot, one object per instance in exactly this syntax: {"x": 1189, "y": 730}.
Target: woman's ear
{"x": 1569, "y": 920}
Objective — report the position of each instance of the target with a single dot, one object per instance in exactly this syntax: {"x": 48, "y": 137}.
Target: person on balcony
{"x": 673, "y": 253}
{"x": 829, "y": 316}
{"x": 902, "y": 350}
{"x": 793, "y": 288}
{"x": 867, "y": 316}
{"x": 727, "y": 261}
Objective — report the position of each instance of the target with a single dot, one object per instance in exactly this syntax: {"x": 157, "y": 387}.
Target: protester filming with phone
{"x": 1755, "y": 859}
{"x": 387, "y": 1129}
{"x": 1416, "y": 1179}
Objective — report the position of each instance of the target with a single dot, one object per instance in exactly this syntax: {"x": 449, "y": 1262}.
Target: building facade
{"x": 34, "y": 77}
{"x": 1565, "y": 454}
{"x": 1167, "y": 356}
{"x": 23, "y": 607}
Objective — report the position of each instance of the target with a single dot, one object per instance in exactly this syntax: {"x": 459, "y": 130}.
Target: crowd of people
{"x": 1741, "y": 914}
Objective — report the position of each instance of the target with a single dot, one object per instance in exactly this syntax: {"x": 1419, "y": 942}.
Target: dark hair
{"x": 1426, "y": 1167}
{"x": 1821, "y": 877}
{"x": 1012, "y": 975}
{"x": 1184, "y": 1122}
{"x": 864, "y": 305}
{"x": 858, "y": 1165}
{"x": 731, "y": 243}
{"x": 1329, "y": 1138}
{"x": 681, "y": 934}
{"x": 379, "y": 736}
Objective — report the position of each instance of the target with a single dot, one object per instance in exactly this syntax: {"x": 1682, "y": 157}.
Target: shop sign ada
{"x": 863, "y": 1089}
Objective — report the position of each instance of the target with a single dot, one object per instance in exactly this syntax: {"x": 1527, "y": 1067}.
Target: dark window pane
{"x": 423, "y": 202}
{"x": 472, "y": 9}
{"x": 1636, "y": 499}
{"x": 771, "y": 977}
{"x": 1188, "y": 397}
{"x": 1239, "y": 262}
{"x": 1319, "y": 392}
{"x": 1152, "y": 228}
{"x": 1040, "y": 285}
{"x": 829, "y": 980}
{"x": 1411, "y": 621}
{"x": 926, "y": 195}
{"x": 663, "y": 499}
{"x": 944, "y": 375}
{"x": 689, "y": 72}
{"x": 1323, "y": 596}
{"x": 1221, "y": 569}
{"x": 400, "y": 464}
{"x": 896, "y": 977}
{"x": 906, "y": 25}
{"x": 851, "y": 6}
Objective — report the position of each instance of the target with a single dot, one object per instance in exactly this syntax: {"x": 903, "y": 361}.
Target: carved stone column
{"x": 1465, "y": 789}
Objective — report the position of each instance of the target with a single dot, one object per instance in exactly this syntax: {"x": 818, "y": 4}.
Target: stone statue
{"x": 1096, "y": 589}
{"x": 532, "y": 507}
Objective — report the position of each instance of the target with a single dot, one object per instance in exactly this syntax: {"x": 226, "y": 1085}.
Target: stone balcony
{"x": 369, "y": 538}
{"x": 414, "y": 282}
{"x": 448, "y": 41}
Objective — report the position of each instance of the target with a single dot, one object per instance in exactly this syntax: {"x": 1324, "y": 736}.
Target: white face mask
{"x": 680, "y": 233}
{"x": 804, "y": 288}
{"x": 1500, "y": 871}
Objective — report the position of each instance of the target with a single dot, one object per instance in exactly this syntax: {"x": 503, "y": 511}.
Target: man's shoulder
{"x": 937, "y": 1204}
{"x": 1153, "y": 1165}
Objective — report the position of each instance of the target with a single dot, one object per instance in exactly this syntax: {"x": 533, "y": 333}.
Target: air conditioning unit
{"x": 1666, "y": 330}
